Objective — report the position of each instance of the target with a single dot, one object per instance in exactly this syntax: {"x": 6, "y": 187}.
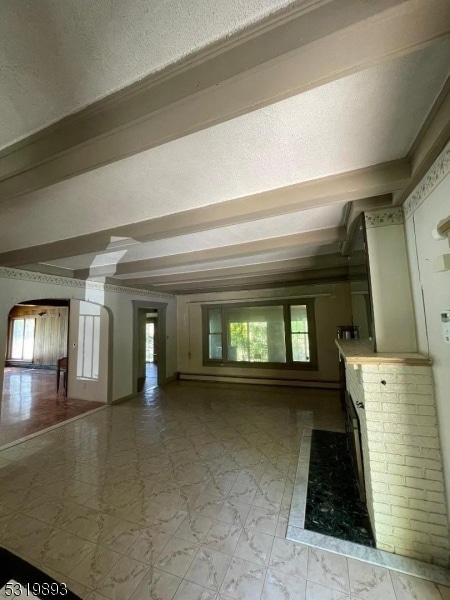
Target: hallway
{"x": 182, "y": 494}
{"x": 30, "y": 403}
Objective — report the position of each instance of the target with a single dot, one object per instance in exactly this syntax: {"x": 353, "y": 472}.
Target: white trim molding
{"x": 383, "y": 217}
{"x": 439, "y": 170}
{"x": 22, "y": 275}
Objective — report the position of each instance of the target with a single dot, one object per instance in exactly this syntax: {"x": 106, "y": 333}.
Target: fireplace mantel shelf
{"x": 355, "y": 352}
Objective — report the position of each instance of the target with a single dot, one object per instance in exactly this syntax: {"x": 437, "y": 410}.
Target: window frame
{"x": 12, "y": 321}
{"x": 290, "y": 364}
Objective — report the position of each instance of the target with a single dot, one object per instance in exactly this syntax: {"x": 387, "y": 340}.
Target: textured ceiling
{"x": 301, "y": 221}
{"x": 57, "y": 56}
{"x": 364, "y": 119}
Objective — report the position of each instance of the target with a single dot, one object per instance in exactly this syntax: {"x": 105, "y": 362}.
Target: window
{"x": 22, "y": 339}
{"x": 278, "y": 334}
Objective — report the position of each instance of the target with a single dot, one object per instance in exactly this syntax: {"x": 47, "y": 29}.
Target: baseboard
{"x": 22, "y": 365}
{"x": 123, "y": 399}
{"x": 173, "y": 377}
{"x": 329, "y": 385}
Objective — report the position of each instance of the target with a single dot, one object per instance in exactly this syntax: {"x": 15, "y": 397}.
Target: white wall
{"x": 88, "y": 356}
{"x": 390, "y": 283}
{"x": 431, "y": 289}
{"x": 17, "y": 286}
{"x": 332, "y": 308}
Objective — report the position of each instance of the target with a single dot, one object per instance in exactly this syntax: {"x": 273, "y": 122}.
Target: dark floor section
{"x": 30, "y": 403}
{"x": 332, "y": 506}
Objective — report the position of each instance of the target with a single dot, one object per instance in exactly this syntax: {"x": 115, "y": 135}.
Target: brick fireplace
{"x": 393, "y": 396}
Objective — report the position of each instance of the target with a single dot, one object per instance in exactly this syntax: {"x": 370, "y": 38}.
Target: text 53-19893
{"x": 30, "y": 590}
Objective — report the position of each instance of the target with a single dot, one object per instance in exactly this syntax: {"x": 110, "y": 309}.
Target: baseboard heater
{"x": 332, "y": 385}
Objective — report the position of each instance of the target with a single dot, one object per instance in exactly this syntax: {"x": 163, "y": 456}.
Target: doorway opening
{"x": 34, "y": 395}
{"x": 151, "y": 349}
{"x": 149, "y": 345}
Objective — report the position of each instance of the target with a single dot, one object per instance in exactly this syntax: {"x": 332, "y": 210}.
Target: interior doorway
{"x": 149, "y": 345}
{"x": 34, "y": 394}
{"x": 151, "y": 349}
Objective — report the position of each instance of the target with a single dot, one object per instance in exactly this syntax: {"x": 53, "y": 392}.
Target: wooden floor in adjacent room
{"x": 30, "y": 403}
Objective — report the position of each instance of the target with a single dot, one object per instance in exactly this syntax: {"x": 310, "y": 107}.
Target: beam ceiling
{"x": 277, "y": 59}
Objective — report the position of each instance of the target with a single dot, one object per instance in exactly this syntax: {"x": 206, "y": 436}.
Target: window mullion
{"x": 224, "y": 335}
{"x": 287, "y": 332}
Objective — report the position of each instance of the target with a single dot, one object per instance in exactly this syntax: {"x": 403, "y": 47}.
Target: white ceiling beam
{"x": 275, "y": 244}
{"x": 375, "y": 183}
{"x": 251, "y": 282}
{"x": 276, "y": 59}
{"x": 323, "y": 261}
{"x": 429, "y": 143}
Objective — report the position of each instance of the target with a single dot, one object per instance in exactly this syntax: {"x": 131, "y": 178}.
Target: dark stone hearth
{"x": 333, "y": 506}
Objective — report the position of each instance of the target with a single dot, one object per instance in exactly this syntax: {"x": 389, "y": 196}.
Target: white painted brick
{"x": 422, "y": 370}
{"x": 430, "y": 528}
{"x": 376, "y": 446}
{"x": 441, "y": 542}
{"x": 398, "y": 459}
{"x": 434, "y": 475}
{"x": 435, "y": 497}
{"x": 397, "y": 521}
{"x": 418, "y": 440}
{"x": 384, "y": 397}
{"x": 403, "y": 449}
{"x": 426, "y": 410}
{"x": 386, "y": 547}
{"x": 421, "y": 420}
{"x": 374, "y": 426}
{"x": 391, "y": 478}
{"x": 392, "y": 500}
{"x": 384, "y": 529}
{"x": 370, "y": 368}
{"x": 424, "y": 463}
{"x": 425, "y": 389}
{"x": 428, "y": 431}
{"x": 442, "y": 562}
{"x": 404, "y": 470}
{"x": 378, "y": 466}
{"x": 407, "y": 492}
{"x": 402, "y": 428}
{"x": 414, "y": 398}
{"x": 400, "y": 532}
{"x": 402, "y": 388}
{"x": 394, "y": 438}
{"x": 372, "y": 388}
{"x": 413, "y": 378}
{"x": 431, "y": 507}
{"x": 381, "y": 507}
{"x": 373, "y": 406}
{"x": 438, "y": 519}
{"x": 434, "y": 454}
{"x": 430, "y": 549}
{"x": 410, "y": 513}
{"x": 426, "y": 484}
{"x": 374, "y": 416}
{"x": 379, "y": 486}
{"x": 378, "y": 377}
{"x": 403, "y": 408}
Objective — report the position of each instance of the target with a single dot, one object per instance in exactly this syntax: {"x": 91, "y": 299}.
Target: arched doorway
{"x": 36, "y": 388}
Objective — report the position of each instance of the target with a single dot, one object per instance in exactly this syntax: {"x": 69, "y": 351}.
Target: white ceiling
{"x": 297, "y": 222}
{"x": 57, "y": 56}
{"x": 367, "y": 118}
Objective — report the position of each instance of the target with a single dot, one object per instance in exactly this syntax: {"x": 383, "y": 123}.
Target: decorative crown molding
{"x": 21, "y": 275}
{"x": 439, "y": 170}
{"x": 383, "y": 217}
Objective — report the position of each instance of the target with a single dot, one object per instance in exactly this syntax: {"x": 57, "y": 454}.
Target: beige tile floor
{"x": 183, "y": 494}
